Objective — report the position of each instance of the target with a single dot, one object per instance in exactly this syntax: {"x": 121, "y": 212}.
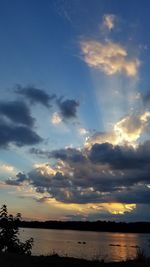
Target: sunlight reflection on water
{"x": 89, "y": 245}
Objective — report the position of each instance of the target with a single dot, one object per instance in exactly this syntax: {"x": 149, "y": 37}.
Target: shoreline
{"x": 86, "y": 230}
{"x": 13, "y": 260}
{"x": 92, "y": 226}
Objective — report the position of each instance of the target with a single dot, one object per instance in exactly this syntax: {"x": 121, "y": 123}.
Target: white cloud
{"x": 6, "y": 168}
{"x": 56, "y": 118}
{"x": 127, "y": 130}
{"x": 130, "y": 128}
{"x": 109, "y": 57}
{"x": 109, "y": 21}
{"x": 82, "y": 131}
{"x": 44, "y": 169}
{"x": 100, "y": 138}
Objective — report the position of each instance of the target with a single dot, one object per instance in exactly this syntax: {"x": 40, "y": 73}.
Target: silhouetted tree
{"x": 9, "y": 234}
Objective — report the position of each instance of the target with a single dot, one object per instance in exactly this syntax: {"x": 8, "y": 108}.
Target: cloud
{"x": 40, "y": 152}
{"x": 110, "y": 168}
{"x": 69, "y": 154}
{"x": 109, "y": 21}
{"x": 6, "y": 168}
{"x": 119, "y": 208}
{"x": 83, "y": 131}
{"x": 130, "y": 128}
{"x": 105, "y": 173}
{"x": 18, "y": 135}
{"x": 109, "y": 57}
{"x": 16, "y": 112}
{"x": 68, "y": 108}
{"x": 56, "y": 118}
{"x": 93, "y": 187}
{"x": 17, "y": 125}
{"x": 101, "y": 137}
{"x": 35, "y": 95}
{"x": 121, "y": 157}
{"x": 20, "y": 178}
{"x": 127, "y": 130}
{"x": 44, "y": 169}
{"x": 140, "y": 194}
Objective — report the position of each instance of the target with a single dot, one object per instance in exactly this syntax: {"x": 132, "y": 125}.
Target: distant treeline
{"x": 100, "y": 226}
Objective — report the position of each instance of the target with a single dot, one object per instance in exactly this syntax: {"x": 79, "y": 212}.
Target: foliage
{"x": 140, "y": 255}
{"x": 9, "y": 234}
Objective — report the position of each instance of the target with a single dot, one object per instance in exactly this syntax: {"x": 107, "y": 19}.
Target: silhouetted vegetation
{"x": 100, "y": 226}
{"x": 140, "y": 255}
{"x": 9, "y": 234}
{"x": 12, "y": 260}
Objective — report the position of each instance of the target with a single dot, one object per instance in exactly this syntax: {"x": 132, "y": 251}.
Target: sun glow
{"x": 129, "y": 129}
{"x": 45, "y": 169}
{"x": 113, "y": 208}
{"x": 119, "y": 208}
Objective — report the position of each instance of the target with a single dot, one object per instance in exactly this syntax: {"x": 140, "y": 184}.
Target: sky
{"x": 75, "y": 109}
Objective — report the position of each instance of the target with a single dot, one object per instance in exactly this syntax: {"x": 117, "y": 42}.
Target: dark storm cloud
{"x": 94, "y": 188}
{"x": 106, "y": 173}
{"x": 68, "y": 154}
{"x": 118, "y": 157}
{"x": 20, "y": 178}
{"x": 139, "y": 194}
{"x": 68, "y": 108}
{"x": 35, "y": 95}
{"x": 17, "y": 125}
{"x": 17, "y": 112}
{"x": 40, "y": 152}
{"x": 98, "y": 189}
{"x": 121, "y": 157}
{"x": 18, "y": 135}
{"x": 84, "y": 185}
{"x": 47, "y": 181}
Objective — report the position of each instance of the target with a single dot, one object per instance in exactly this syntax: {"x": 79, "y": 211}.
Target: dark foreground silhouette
{"x": 12, "y": 260}
{"x": 9, "y": 234}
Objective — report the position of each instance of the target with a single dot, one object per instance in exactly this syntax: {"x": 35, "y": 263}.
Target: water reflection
{"x": 123, "y": 246}
{"x": 89, "y": 245}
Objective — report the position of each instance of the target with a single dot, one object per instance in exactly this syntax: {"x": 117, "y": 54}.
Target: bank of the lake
{"x": 12, "y": 260}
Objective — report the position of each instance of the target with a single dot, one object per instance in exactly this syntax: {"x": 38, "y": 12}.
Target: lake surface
{"x": 88, "y": 245}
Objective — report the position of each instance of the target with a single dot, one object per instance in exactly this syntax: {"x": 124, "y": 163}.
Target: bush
{"x": 140, "y": 255}
{"x": 9, "y": 234}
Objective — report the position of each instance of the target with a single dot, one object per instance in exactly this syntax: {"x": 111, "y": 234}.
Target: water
{"x": 88, "y": 245}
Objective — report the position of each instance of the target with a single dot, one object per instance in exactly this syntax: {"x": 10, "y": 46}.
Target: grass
{"x": 140, "y": 255}
{"x": 12, "y": 260}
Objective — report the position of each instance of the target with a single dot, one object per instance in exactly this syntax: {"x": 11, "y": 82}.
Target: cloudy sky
{"x": 75, "y": 109}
